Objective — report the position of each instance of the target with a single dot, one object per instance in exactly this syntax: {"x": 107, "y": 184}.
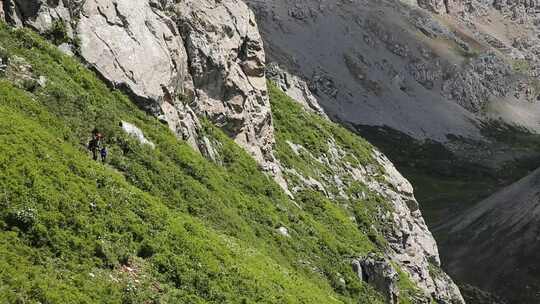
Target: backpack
{"x": 92, "y": 144}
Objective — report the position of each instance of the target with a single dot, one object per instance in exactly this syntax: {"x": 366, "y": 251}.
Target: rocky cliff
{"x": 185, "y": 61}
{"x": 411, "y": 243}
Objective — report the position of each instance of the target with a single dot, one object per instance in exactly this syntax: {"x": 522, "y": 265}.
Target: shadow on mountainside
{"x": 451, "y": 179}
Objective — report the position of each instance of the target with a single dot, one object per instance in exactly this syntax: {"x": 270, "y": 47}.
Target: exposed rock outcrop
{"x": 380, "y": 274}
{"x": 411, "y": 244}
{"x": 2, "y": 11}
{"x": 443, "y": 6}
{"x": 20, "y": 72}
{"x": 126, "y": 42}
{"x": 180, "y": 60}
{"x": 294, "y": 87}
{"x": 227, "y": 63}
{"x": 487, "y": 75}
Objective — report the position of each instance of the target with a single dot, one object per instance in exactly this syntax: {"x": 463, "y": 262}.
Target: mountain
{"x": 219, "y": 187}
{"x": 412, "y": 66}
{"x": 449, "y": 91}
{"x": 511, "y": 217}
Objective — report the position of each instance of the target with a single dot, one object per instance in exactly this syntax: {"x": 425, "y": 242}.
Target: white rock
{"x": 42, "y": 81}
{"x": 137, "y": 133}
{"x": 283, "y": 231}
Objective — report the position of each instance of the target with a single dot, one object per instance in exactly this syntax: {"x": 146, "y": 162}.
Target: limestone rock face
{"x": 227, "y": 62}
{"x": 2, "y": 11}
{"x": 436, "y": 6}
{"x": 11, "y": 13}
{"x": 138, "y": 49}
{"x": 41, "y": 14}
{"x": 411, "y": 244}
{"x": 484, "y": 76}
{"x": 135, "y": 47}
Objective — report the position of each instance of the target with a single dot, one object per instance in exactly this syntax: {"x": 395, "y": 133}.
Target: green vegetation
{"x": 295, "y": 125}
{"x": 159, "y": 225}
{"x": 409, "y": 291}
{"x": 58, "y": 33}
{"x": 521, "y": 66}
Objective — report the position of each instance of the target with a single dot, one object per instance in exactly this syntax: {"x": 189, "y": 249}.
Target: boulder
{"x": 136, "y": 133}
{"x": 283, "y": 231}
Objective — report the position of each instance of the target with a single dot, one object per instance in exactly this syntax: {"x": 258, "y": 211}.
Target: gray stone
{"x": 443, "y": 6}
{"x": 42, "y": 81}
{"x": 2, "y": 12}
{"x": 486, "y": 76}
{"x": 12, "y": 13}
{"x": 411, "y": 244}
{"x": 213, "y": 66}
{"x": 380, "y": 274}
{"x": 41, "y": 14}
{"x": 127, "y": 41}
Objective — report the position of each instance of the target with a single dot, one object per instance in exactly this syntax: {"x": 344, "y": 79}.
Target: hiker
{"x": 103, "y": 153}
{"x": 95, "y": 144}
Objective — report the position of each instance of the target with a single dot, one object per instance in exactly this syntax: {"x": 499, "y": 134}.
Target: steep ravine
{"x": 160, "y": 223}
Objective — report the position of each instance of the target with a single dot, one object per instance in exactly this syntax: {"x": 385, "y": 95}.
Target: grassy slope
{"x": 157, "y": 226}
